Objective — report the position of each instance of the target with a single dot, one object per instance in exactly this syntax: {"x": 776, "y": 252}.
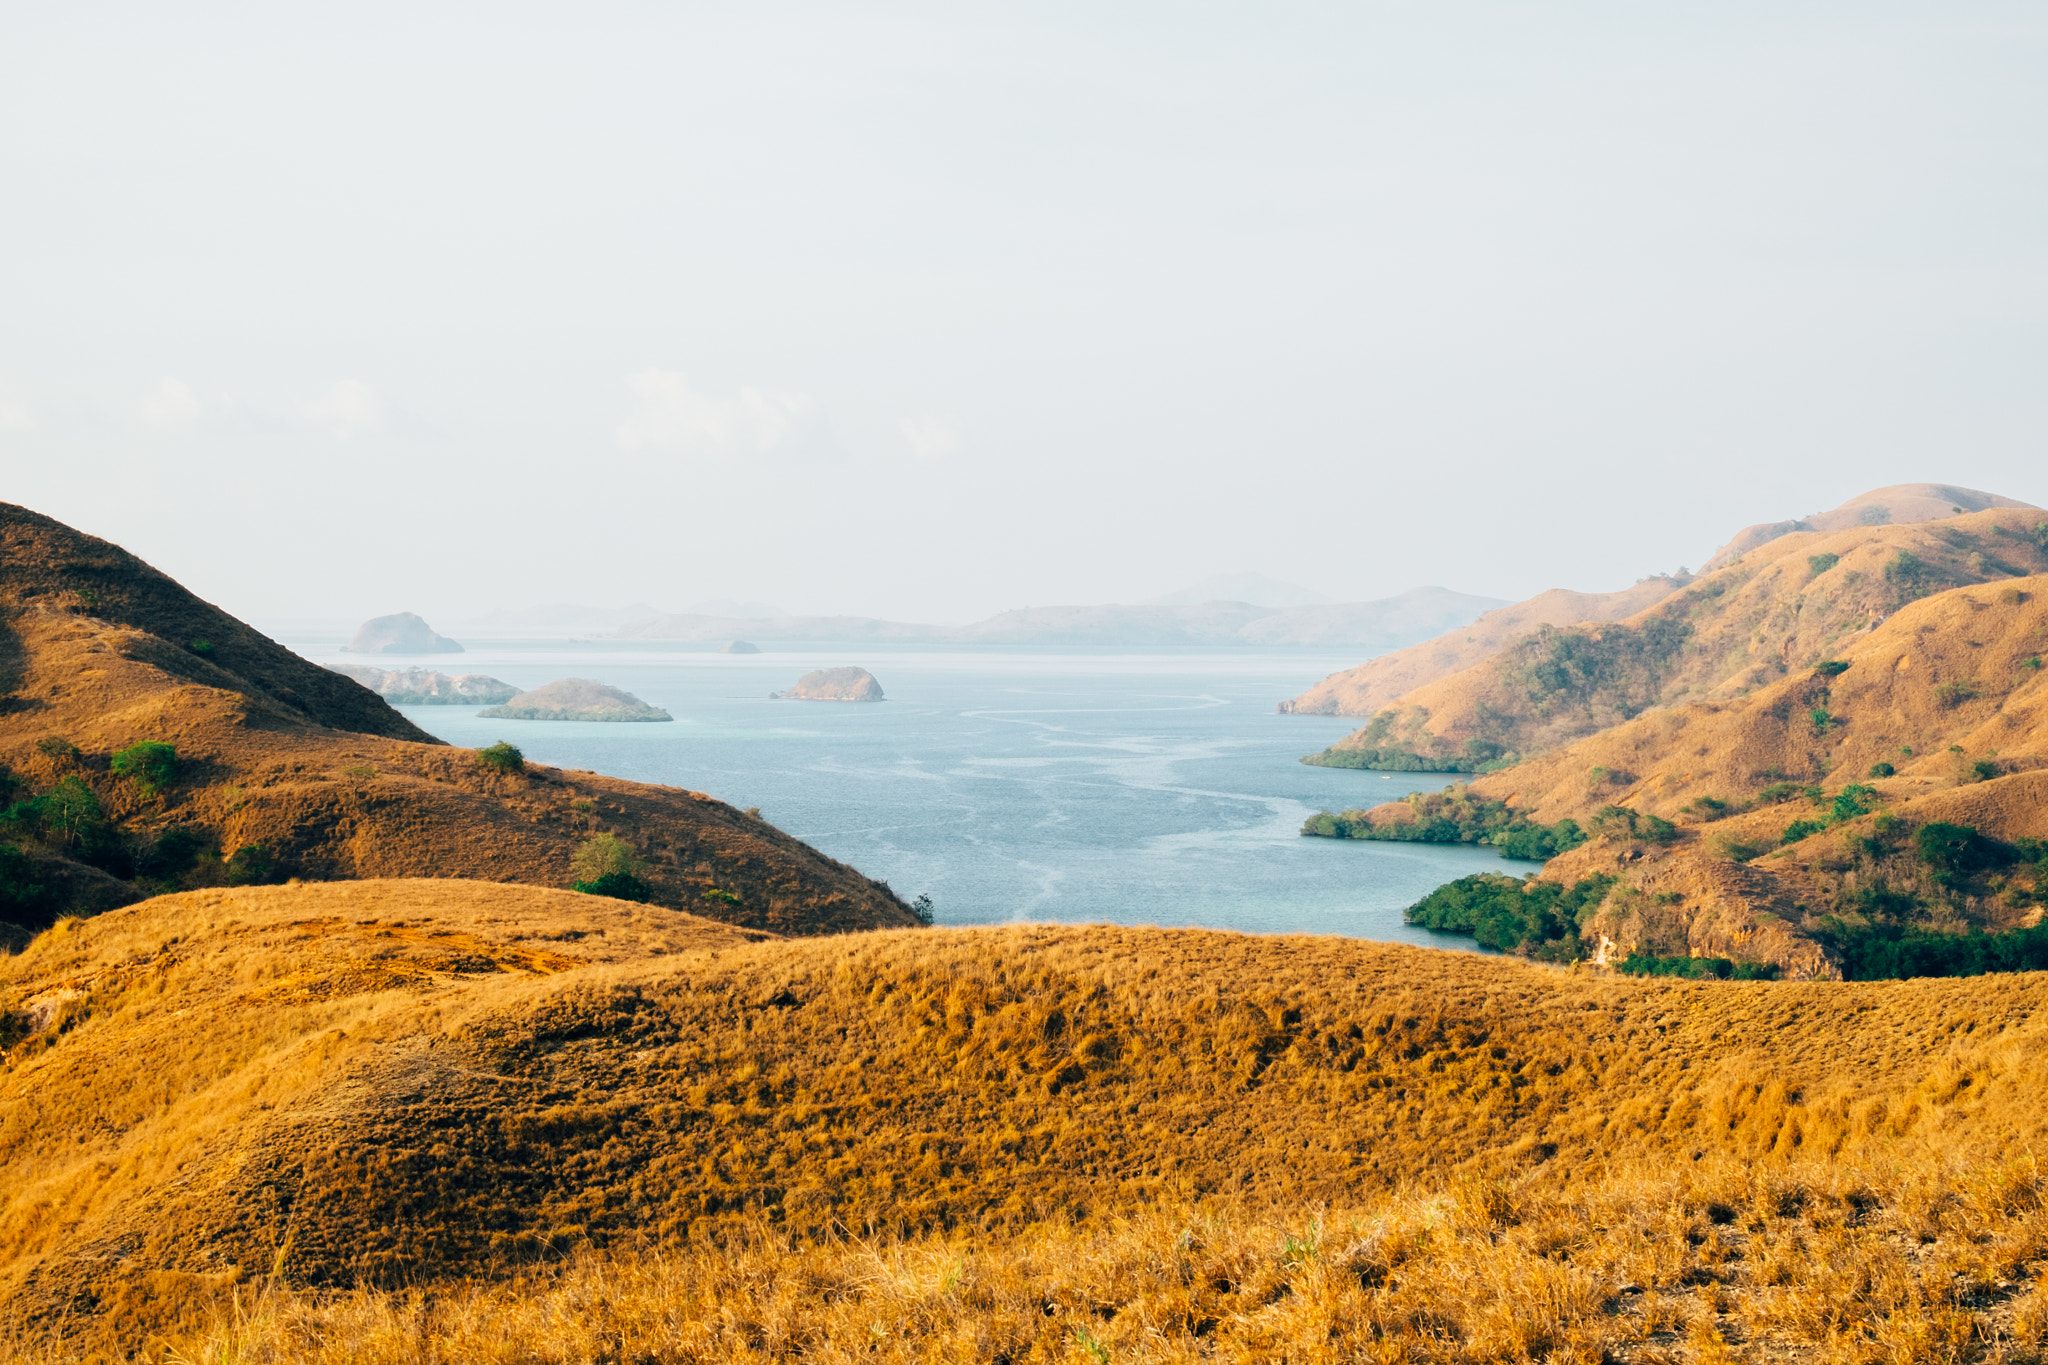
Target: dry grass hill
{"x": 441, "y": 1121}
{"x": 1384, "y": 683}
{"x": 283, "y": 769}
{"x": 1786, "y": 606}
{"x": 1372, "y": 686}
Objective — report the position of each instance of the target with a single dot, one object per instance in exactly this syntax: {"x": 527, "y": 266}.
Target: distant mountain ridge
{"x": 1385, "y": 624}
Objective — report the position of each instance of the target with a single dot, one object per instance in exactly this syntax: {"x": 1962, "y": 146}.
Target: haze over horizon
{"x": 904, "y": 311}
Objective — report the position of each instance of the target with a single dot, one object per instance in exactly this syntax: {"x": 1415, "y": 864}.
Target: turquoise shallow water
{"x": 1154, "y": 788}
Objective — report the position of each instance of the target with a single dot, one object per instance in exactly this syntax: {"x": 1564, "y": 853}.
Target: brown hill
{"x": 1892, "y": 506}
{"x": 421, "y": 1083}
{"x": 302, "y": 772}
{"x": 1372, "y": 686}
{"x": 1783, "y": 607}
{"x": 1380, "y": 683}
{"x": 1947, "y": 699}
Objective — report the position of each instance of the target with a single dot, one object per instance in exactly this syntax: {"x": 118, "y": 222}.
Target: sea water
{"x": 1130, "y": 788}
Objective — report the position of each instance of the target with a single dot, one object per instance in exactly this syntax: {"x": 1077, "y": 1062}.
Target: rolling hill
{"x": 279, "y": 768}
{"x": 1384, "y": 683}
{"x": 1780, "y": 608}
{"x": 367, "y": 1103}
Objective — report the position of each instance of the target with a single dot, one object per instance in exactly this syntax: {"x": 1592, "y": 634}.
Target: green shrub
{"x": 1955, "y": 693}
{"x": 1816, "y": 565}
{"x": 21, "y": 895}
{"x": 1823, "y": 720}
{"x": 922, "y": 908}
{"x": 1984, "y": 769}
{"x": 1778, "y": 792}
{"x": 721, "y": 895}
{"x": 1886, "y": 954}
{"x": 1882, "y": 770}
{"x": 620, "y": 886}
{"x": 251, "y": 865}
{"x": 1501, "y": 912}
{"x": 605, "y": 865}
{"x": 203, "y": 648}
{"x": 506, "y": 758}
{"x": 1740, "y": 850}
{"x": 1831, "y": 668}
{"x": 1800, "y": 829}
{"x": 150, "y": 764}
{"x": 1622, "y": 822}
{"x": 57, "y": 747}
{"x": 1697, "y": 968}
{"x": 1958, "y": 851}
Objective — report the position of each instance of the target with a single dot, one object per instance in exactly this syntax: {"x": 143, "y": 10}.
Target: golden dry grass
{"x": 433, "y": 1088}
{"x": 1918, "y": 1260}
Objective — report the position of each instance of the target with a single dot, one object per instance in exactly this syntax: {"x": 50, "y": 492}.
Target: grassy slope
{"x": 417, "y": 1080}
{"x": 318, "y": 770}
{"x": 1373, "y": 685}
{"x": 1723, "y": 636}
{"x": 1900, "y": 689}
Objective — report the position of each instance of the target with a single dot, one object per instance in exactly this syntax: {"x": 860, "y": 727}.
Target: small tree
{"x": 922, "y": 908}
{"x": 506, "y": 758}
{"x": 57, "y": 747}
{"x": 69, "y": 812}
{"x": 151, "y": 765}
{"x": 250, "y": 865}
{"x": 605, "y": 865}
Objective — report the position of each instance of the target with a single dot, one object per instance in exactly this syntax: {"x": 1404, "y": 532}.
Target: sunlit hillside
{"x": 580, "y": 1120}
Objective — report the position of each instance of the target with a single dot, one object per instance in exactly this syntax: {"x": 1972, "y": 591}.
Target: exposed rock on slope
{"x": 576, "y": 699}
{"x": 425, "y": 687}
{"x": 277, "y": 754}
{"x": 1785, "y": 606}
{"x": 1897, "y": 505}
{"x": 1372, "y": 686}
{"x": 401, "y": 633}
{"x": 835, "y": 684}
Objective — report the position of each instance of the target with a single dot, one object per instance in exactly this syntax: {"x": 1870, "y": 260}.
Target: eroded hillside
{"x": 419, "y": 1082}
{"x": 279, "y": 769}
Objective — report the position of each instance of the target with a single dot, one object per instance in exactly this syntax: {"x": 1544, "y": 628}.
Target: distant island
{"x": 400, "y": 633}
{"x": 576, "y": 699}
{"x": 834, "y": 684}
{"x": 425, "y": 687}
{"x": 742, "y": 647}
{"x": 1372, "y": 627}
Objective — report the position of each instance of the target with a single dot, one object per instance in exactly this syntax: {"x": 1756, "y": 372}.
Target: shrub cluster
{"x": 1697, "y": 968}
{"x": 1455, "y": 816}
{"x": 1540, "y": 918}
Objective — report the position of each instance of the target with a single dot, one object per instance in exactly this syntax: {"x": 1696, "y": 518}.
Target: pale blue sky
{"x": 929, "y": 311}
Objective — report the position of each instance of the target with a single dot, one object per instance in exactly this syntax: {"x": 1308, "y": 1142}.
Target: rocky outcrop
{"x": 576, "y": 699}
{"x": 400, "y": 633}
{"x": 425, "y": 687}
{"x": 835, "y": 684}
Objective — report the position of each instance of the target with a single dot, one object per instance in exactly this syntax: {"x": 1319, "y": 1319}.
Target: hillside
{"x": 437, "y": 1086}
{"x": 1794, "y": 813}
{"x": 1367, "y": 689}
{"x": 1895, "y": 505}
{"x": 1782, "y": 607}
{"x": 282, "y": 768}
{"x": 1382, "y": 683}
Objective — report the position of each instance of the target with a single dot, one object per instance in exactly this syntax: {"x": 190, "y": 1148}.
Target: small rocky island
{"x": 426, "y": 687}
{"x": 834, "y": 684}
{"x": 400, "y": 633}
{"x": 741, "y": 647}
{"x": 576, "y": 699}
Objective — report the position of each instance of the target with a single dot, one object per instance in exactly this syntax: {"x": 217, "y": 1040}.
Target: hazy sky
{"x": 930, "y": 311}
